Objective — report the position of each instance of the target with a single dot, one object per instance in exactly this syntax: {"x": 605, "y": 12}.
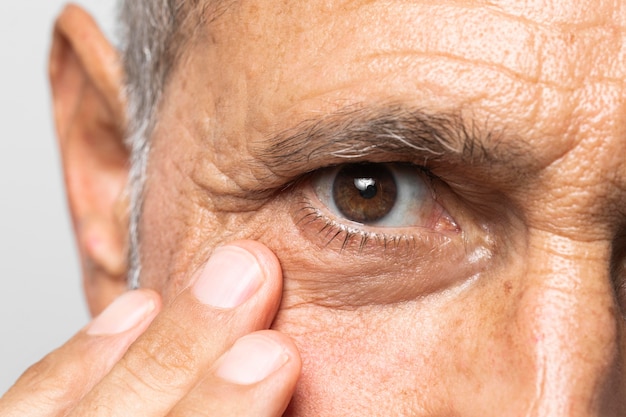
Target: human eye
{"x": 384, "y": 195}
{"x": 376, "y": 203}
{"x": 373, "y": 232}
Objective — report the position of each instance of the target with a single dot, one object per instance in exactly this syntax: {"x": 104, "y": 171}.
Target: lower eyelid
{"x": 328, "y": 233}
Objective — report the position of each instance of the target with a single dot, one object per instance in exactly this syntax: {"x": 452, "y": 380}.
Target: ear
{"x": 86, "y": 81}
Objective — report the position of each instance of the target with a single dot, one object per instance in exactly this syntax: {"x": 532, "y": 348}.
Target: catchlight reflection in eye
{"x": 386, "y": 195}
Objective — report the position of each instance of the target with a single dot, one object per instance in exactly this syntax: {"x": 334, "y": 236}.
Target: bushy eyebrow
{"x": 390, "y": 133}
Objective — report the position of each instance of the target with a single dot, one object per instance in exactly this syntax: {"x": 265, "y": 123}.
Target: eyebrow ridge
{"x": 407, "y": 134}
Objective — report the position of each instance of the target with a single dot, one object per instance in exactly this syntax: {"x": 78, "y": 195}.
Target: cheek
{"x": 441, "y": 355}
{"x": 342, "y": 364}
{"x": 366, "y": 362}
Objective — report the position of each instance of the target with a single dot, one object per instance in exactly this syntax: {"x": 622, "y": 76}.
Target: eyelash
{"x": 332, "y": 230}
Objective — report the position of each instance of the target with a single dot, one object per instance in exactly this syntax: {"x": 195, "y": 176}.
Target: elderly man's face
{"x": 443, "y": 184}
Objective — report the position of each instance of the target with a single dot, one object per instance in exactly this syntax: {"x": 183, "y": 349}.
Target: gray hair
{"x": 151, "y": 34}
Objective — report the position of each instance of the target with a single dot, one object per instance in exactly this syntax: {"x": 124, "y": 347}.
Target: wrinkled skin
{"x": 505, "y": 296}
{"x": 532, "y": 324}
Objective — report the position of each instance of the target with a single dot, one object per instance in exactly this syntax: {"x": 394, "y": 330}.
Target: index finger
{"x": 237, "y": 292}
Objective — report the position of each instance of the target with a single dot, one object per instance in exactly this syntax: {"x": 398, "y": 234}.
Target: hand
{"x": 204, "y": 355}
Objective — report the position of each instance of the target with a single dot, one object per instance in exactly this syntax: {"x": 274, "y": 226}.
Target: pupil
{"x": 364, "y": 193}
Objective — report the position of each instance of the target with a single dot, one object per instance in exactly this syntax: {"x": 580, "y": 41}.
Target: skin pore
{"x": 352, "y": 208}
{"x": 514, "y": 313}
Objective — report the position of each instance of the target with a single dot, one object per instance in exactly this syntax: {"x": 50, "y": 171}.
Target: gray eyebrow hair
{"x": 398, "y": 132}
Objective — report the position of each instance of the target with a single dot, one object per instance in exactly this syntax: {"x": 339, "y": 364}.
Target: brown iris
{"x": 364, "y": 193}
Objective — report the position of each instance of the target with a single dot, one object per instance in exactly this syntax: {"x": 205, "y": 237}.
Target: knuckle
{"x": 38, "y": 371}
{"x": 160, "y": 361}
{"x": 57, "y": 379}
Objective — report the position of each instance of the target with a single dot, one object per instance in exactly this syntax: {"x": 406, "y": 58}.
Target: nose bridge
{"x": 568, "y": 312}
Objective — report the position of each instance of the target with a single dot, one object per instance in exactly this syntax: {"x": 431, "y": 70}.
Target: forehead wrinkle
{"x": 421, "y": 57}
{"x": 551, "y": 54}
{"x": 575, "y": 14}
{"x": 596, "y": 30}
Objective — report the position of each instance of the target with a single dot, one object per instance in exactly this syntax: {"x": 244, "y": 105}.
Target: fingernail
{"x": 126, "y": 312}
{"x": 229, "y": 278}
{"x": 251, "y": 360}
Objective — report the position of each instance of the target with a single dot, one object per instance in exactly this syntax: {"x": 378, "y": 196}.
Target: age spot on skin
{"x": 508, "y": 287}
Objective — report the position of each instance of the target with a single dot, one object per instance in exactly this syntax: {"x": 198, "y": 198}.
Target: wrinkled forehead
{"x": 548, "y": 72}
{"x": 514, "y": 46}
{"x": 505, "y": 26}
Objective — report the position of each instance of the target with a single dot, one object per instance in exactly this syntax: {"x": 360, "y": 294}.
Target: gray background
{"x": 41, "y": 302}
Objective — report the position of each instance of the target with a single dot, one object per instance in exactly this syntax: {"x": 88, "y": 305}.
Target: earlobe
{"x": 86, "y": 81}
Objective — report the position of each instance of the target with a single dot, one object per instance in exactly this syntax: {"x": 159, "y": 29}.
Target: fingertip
{"x": 237, "y": 272}
{"x": 268, "y": 261}
{"x": 288, "y": 345}
{"x": 257, "y": 356}
{"x": 130, "y": 310}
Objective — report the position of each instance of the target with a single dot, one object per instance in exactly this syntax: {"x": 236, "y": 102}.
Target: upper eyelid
{"x": 428, "y": 174}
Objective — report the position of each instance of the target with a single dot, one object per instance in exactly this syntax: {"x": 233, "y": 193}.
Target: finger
{"x": 256, "y": 377}
{"x": 237, "y": 292}
{"x": 56, "y": 383}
